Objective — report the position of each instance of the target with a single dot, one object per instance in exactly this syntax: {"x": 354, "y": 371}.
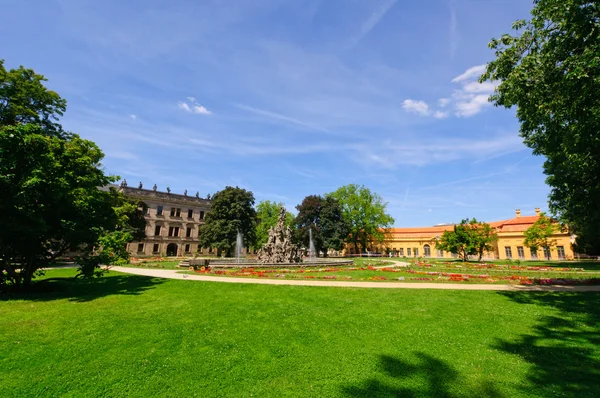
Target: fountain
{"x": 312, "y": 252}
{"x": 279, "y": 247}
{"x": 279, "y": 251}
{"x": 239, "y": 244}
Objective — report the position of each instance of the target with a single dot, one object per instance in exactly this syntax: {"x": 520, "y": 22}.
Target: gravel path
{"x": 173, "y": 274}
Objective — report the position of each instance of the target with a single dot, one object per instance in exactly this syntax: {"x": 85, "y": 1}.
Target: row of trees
{"x": 475, "y": 238}
{"x": 50, "y": 199}
{"x": 350, "y": 215}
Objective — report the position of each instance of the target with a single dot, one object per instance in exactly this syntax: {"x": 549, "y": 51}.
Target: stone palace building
{"x": 172, "y": 222}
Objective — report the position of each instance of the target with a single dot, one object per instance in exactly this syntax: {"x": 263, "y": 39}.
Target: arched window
{"x": 171, "y": 249}
{"x": 427, "y": 251}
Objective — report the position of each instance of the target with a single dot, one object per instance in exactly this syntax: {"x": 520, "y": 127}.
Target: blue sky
{"x": 290, "y": 98}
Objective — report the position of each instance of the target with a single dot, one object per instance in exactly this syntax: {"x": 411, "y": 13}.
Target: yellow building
{"x": 420, "y": 242}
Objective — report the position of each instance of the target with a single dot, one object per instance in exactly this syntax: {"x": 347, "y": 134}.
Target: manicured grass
{"x": 125, "y": 335}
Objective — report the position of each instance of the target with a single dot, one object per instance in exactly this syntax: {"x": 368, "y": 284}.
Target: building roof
{"x": 517, "y": 224}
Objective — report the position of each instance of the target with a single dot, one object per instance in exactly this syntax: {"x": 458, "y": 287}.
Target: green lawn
{"x": 125, "y": 335}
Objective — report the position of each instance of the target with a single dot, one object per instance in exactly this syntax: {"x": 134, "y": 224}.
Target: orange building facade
{"x": 420, "y": 242}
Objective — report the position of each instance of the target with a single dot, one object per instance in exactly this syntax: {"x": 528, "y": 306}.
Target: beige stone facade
{"x": 172, "y": 222}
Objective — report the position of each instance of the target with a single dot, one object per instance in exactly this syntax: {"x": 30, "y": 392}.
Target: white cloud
{"x": 476, "y": 87}
{"x": 442, "y": 102}
{"x": 418, "y": 107}
{"x": 470, "y": 73}
{"x": 472, "y": 105}
{"x": 440, "y": 114}
{"x": 184, "y": 106}
{"x": 201, "y": 110}
{"x": 133, "y": 116}
{"x": 191, "y": 99}
{"x": 372, "y": 21}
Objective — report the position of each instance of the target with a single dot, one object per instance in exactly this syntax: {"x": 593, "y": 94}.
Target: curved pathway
{"x": 174, "y": 274}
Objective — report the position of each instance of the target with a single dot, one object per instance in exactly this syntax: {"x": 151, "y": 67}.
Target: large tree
{"x": 365, "y": 213}
{"x": 324, "y": 219}
{"x": 550, "y": 71}
{"x": 267, "y": 213}
{"x": 49, "y": 199}
{"x": 539, "y": 235}
{"x": 468, "y": 238}
{"x": 232, "y": 211}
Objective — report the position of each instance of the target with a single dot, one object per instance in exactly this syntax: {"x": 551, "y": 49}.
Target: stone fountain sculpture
{"x": 279, "y": 247}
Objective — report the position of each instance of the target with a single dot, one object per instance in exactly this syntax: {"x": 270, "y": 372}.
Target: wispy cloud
{"x": 470, "y": 74}
{"x": 279, "y": 117}
{"x": 373, "y": 20}
{"x": 132, "y": 116}
{"x": 442, "y": 102}
{"x": 441, "y": 114}
{"x": 454, "y": 38}
{"x": 194, "y": 108}
{"x": 414, "y": 106}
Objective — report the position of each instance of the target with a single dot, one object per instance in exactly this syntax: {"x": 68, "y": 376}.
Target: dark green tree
{"x": 550, "y": 71}
{"x": 267, "y": 213}
{"x": 364, "y": 212}
{"x": 49, "y": 199}
{"x": 232, "y": 210}
{"x": 307, "y": 221}
{"x": 334, "y": 227}
{"x": 25, "y": 100}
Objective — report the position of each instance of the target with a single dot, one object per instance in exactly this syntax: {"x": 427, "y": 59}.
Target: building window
{"x": 440, "y": 253}
{"x": 520, "y": 252}
{"x": 175, "y": 212}
{"x": 159, "y": 210}
{"x": 533, "y": 254}
{"x": 427, "y": 251}
{"x": 190, "y": 213}
{"x": 547, "y": 253}
{"x": 187, "y": 248}
{"x": 157, "y": 230}
{"x": 140, "y": 247}
{"x": 210, "y": 250}
{"x": 202, "y": 215}
{"x": 155, "y": 248}
{"x": 402, "y": 252}
{"x": 416, "y": 249}
{"x": 188, "y": 232}
{"x": 199, "y": 248}
{"x": 561, "y": 252}
{"x": 508, "y": 251}
{"x": 408, "y": 253}
{"x": 173, "y": 231}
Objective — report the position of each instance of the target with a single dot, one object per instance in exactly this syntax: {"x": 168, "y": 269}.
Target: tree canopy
{"x": 550, "y": 71}
{"x": 267, "y": 213}
{"x": 324, "y": 219}
{"x": 365, "y": 214}
{"x": 470, "y": 237}
{"x": 539, "y": 235}
{"x": 25, "y": 100}
{"x": 232, "y": 211}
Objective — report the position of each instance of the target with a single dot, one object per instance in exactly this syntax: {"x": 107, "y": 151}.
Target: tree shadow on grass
{"x": 82, "y": 290}
{"x": 427, "y": 377}
{"x": 564, "y": 349}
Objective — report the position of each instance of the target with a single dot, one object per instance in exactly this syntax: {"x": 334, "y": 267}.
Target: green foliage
{"x": 539, "y": 235}
{"x": 25, "y": 100}
{"x": 364, "y": 212}
{"x": 324, "y": 217}
{"x": 49, "y": 198}
{"x": 267, "y": 213}
{"x": 470, "y": 237}
{"x": 550, "y": 71}
{"x": 232, "y": 210}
